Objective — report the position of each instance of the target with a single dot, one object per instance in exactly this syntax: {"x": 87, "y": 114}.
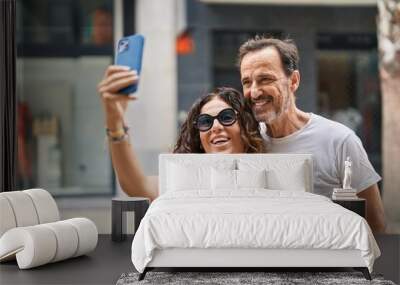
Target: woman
{"x": 219, "y": 122}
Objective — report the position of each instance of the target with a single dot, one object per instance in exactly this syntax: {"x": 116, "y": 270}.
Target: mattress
{"x": 250, "y": 219}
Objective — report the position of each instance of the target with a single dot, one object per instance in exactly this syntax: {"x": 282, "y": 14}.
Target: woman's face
{"x": 220, "y": 139}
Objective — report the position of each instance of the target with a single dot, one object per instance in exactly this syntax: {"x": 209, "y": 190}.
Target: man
{"x": 270, "y": 78}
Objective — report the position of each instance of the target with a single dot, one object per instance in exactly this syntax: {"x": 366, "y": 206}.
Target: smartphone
{"x": 129, "y": 53}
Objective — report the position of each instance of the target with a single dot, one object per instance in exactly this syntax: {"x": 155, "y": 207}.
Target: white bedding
{"x": 252, "y": 218}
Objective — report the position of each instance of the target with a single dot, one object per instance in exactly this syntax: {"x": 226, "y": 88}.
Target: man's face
{"x": 266, "y": 84}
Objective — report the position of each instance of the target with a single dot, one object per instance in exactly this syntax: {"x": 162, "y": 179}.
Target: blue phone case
{"x": 129, "y": 53}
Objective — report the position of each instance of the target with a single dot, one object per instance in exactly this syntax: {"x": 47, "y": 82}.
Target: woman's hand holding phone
{"x": 116, "y": 78}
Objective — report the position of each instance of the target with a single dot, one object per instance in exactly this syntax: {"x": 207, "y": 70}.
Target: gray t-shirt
{"x": 330, "y": 143}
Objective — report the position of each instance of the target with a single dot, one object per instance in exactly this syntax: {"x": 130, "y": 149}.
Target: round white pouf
{"x": 23, "y": 208}
{"x": 67, "y": 240}
{"x": 6, "y": 215}
{"x": 33, "y": 246}
{"x": 87, "y": 234}
{"x": 45, "y": 205}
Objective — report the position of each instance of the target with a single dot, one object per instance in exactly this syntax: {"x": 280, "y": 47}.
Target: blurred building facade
{"x": 191, "y": 46}
{"x": 338, "y": 50}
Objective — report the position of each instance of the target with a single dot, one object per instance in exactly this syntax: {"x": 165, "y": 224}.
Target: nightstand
{"x": 119, "y": 206}
{"x": 355, "y": 205}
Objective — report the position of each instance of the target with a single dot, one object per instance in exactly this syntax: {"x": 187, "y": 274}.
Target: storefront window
{"x": 64, "y": 47}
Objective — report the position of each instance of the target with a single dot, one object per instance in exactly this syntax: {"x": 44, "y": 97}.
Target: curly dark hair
{"x": 189, "y": 137}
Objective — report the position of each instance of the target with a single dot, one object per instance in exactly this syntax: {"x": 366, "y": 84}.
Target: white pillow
{"x": 226, "y": 179}
{"x": 182, "y": 177}
{"x": 292, "y": 180}
{"x": 223, "y": 179}
{"x": 282, "y": 174}
{"x": 251, "y": 178}
{"x": 187, "y": 173}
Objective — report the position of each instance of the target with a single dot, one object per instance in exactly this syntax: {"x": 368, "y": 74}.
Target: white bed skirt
{"x": 193, "y": 257}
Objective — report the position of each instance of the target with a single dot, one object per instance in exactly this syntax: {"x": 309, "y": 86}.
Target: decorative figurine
{"x": 346, "y": 192}
{"x": 347, "y": 174}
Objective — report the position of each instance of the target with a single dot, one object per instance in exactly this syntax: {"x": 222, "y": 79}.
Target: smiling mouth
{"x": 262, "y": 102}
{"x": 220, "y": 141}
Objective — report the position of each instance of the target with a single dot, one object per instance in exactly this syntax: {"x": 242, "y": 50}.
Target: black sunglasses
{"x": 227, "y": 117}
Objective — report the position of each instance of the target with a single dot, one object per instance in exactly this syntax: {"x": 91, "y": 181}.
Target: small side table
{"x": 355, "y": 205}
{"x": 138, "y": 205}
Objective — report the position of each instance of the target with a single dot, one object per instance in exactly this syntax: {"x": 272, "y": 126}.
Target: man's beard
{"x": 267, "y": 116}
{"x": 272, "y": 113}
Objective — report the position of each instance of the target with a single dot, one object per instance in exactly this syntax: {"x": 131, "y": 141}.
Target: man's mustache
{"x": 261, "y": 98}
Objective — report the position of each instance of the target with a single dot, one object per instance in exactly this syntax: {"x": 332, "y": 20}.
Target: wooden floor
{"x": 106, "y": 264}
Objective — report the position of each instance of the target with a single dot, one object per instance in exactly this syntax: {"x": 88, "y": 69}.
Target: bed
{"x": 246, "y": 211}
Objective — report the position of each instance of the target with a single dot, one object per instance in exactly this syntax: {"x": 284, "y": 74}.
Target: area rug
{"x": 229, "y": 278}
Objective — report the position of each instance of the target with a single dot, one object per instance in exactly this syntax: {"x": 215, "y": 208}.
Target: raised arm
{"x": 125, "y": 161}
{"x": 374, "y": 208}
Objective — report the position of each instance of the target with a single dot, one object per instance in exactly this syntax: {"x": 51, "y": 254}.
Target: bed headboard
{"x": 295, "y": 169}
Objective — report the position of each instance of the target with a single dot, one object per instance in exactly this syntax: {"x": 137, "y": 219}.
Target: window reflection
{"x": 348, "y": 92}
{"x": 98, "y": 30}
{"x": 65, "y": 21}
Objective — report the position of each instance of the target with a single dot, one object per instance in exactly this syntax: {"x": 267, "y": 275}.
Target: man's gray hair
{"x": 287, "y": 50}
